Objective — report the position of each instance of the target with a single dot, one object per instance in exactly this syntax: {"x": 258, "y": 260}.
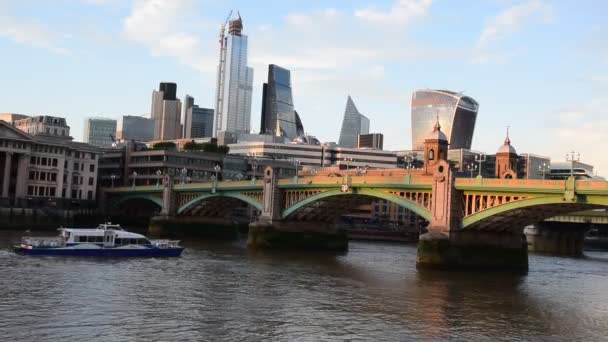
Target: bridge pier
{"x": 180, "y": 226}
{"x": 297, "y": 235}
{"x": 556, "y": 238}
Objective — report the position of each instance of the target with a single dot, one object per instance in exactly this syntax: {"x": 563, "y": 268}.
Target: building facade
{"x": 44, "y": 168}
{"x": 457, "y": 115}
{"x": 166, "y": 112}
{"x": 353, "y": 125}
{"x": 373, "y": 141}
{"x": 198, "y": 122}
{"x": 12, "y": 117}
{"x": 44, "y": 125}
{"x": 138, "y": 128}
{"x": 234, "y": 82}
{"x": 99, "y": 131}
{"x": 278, "y": 114}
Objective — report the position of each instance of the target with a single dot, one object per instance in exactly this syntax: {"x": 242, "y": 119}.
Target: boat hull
{"x": 103, "y": 252}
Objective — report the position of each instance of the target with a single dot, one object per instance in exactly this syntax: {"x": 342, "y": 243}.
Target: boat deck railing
{"x": 43, "y": 241}
{"x": 165, "y": 243}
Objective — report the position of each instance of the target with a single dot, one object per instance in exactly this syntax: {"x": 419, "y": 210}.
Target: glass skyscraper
{"x": 234, "y": 82}
{"x": 99, "y": 131}
{"x": 198, "y": 122}
{"x": 353, "y": 124}
{"x": 457, "y": 115}
{"x": 278, "y": 114}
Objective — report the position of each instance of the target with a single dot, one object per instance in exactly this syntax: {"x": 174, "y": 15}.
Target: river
{"x": 220, "y": 291}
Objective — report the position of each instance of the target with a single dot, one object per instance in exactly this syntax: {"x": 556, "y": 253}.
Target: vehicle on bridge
{"x": 107, "y": 240}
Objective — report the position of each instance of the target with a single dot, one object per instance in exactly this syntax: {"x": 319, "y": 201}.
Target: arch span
{"x": 153, "y": 199}
{"x": 204, "y": 197}
{"x": 375, "y": 193}
{"x": 516, "y": 215}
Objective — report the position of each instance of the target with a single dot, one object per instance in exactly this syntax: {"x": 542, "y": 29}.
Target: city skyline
{"x": 523, "y": 61}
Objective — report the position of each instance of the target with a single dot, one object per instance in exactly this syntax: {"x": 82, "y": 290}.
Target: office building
{"x": 44, "y": 167}
{"x": 198, "y": 122}
{"x": 166, "y": 112}
{"x": 353, "y": 124}
{"x": 234, "y": 82}
{"x": 373, "y": 141}
{"x": 563, "y": 170}
{"x": 278, "y": 114}
{"x": 12, "y": 117}
{"x": 138, "y": 128}
{"x": 46, "y": 125}
{"x": 531, "y": 166}
{"x": 99, "y": 131}
{"x": 457, "y": 115}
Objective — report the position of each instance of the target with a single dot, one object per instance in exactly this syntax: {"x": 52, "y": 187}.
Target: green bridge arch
{"x": 528, "y": 203}
{"x": 239, "y": 196}
{"x": 412, "y": 206}
{"x": 153, "y": 199}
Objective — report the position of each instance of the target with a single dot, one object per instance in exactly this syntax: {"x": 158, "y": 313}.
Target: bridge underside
{"x": 329, "y": 209}
{"x": 217, "y": 207}
{"x": 514, "y": 221}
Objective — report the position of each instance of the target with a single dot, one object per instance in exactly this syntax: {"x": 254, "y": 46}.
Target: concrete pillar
{"x": 557, "y": 238}
{"x": 7, "y": 174}
{"x": 448, "y": 246}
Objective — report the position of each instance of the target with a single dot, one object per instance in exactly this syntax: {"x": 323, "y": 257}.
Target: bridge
{"x": 473, "y": 222}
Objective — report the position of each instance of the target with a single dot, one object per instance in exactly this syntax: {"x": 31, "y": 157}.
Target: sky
{"x": 538, "y": 66}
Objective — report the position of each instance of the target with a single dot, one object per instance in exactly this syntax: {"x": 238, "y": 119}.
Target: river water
{"x": 220, "y": 291}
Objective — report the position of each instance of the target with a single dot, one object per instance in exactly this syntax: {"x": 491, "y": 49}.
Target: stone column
{"x": 7, "y": 174}
{"x": 21, "y": 187}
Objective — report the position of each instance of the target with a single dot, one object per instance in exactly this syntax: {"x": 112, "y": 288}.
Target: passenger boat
{"x": 107, "y": 240}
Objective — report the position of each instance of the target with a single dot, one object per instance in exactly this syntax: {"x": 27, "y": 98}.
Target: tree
{"x": 192, "y": 146}
{"x": 164, "y": 145}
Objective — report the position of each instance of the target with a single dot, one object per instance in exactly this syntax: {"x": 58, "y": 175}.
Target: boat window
{"x": 118, "y": 241}
{"x": 99, "y": 239}
{"x": 142, "y": 241}
{"x": 82, "y": 238}
{"x": 133, "y": 241}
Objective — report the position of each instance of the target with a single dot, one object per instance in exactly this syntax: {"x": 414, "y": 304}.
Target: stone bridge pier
{"x": 270, "y": 231}
{"x": 558, "y": 238}
{"x": 447, "y": 245}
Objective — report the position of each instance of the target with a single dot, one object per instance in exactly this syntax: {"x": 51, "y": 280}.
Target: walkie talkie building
{"x": 457, "y": 115}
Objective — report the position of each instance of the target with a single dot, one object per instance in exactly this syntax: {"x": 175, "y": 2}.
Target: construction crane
{"x": 223, "y": 29}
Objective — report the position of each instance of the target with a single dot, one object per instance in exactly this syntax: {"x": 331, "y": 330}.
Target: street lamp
{"x": 134, "y": 174}
{"x": 471, "y": 168}
{"x": 188, "y": 179}
{"x": 410, "y": 160}
{"x": 572, "y": 158}
{"x": 184, "y": 171}
{"x": 348, "y": 160}
{"x": 217, "y": 169}
{"x": 254, "y": 168}
{"x": 239, "y": 176}
{"x": 112, "y": 177}
{"x": 480, "y": 158}
{"x": 544, "y": 168}
{"x": 158, "y": 174}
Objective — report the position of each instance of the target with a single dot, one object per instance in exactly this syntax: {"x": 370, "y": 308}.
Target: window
{"x": 75, "y": 166}
{"x": 53, "y": 177}
{"x": 118, "y": 241}
{"x": 63, "y": 193}
{"x": 41, "y": 191}
{"x": 55, "y": 131}
{"x": 82, "y": 239}
{"x": 90, "y": 180}
{"x": 44, "y": 161}
{"x": 90, "y": 195}
{"x": 92, "y": 168}
{"x": 30, "y": 190}
{"x": 32, "y": 175}
{"x": 74, "y": 180}
{"x": 33, "y": 160}
{"x": 431, "y": 154}
{"x": 82, "y": 167}
{"x": 55, "y": 162}
{"x": 52, "y": 192}
{"x": 74, "y": 193}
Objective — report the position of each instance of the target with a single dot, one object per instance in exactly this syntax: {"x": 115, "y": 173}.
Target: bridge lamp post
{"x": 254, "y": 167}
{"x": 544, "y": 168}
{"x": 188, "y": 179}
{"x": 184, "y": 171}
{"x": 112, "y": 178}
{"x": 348, "y": 160}
{"x": 134, "y": 174}
{"x": 572, "y": 158}
{"x": 217, "y": 169}
{"x": 471, "y": 168}
{"x": 480, "y": 158}
{"x": 296, "y": 164}
{"x": 159, "y": 173}
{"x": 239, "y": 176}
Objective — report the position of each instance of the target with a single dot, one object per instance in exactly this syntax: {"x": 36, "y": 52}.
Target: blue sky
{"x": 538, "y": 66}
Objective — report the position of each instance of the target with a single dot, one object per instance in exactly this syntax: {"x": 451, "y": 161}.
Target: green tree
{"x": 164, "y": 145}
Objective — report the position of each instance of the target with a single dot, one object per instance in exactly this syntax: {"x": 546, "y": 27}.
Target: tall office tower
{"x": 166, "y": 112}
{"x": 457, "y": 114}
{"x": 373, "y": 141}
{"x": 136, "y": 128}
{"x": 234, "y": 82}
{"x": 99, "y": 131}
{"x": 278, "y": 115}
{"x": 299, "y": 125}
{"x": 198, "y": 122}
{"x": 353, "y": 125}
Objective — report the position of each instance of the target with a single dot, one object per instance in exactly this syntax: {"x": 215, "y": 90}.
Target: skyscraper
{"x": 353, "y": 125}
{"x": 457, "y": 114}
{"x": 166, "y": 112}
{"x": 278, "y": 114}
{"x": 99, "y": 131}
{"x": 198, "y": 122}
{"x": 234, "y": 81}
{"x": 136, "y": 128}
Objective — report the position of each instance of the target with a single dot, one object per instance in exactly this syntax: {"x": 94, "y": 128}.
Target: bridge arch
{"x": 368, "y": 192}
{"x": 204, "y": 197}
{"x": 518, "y": 214}
{"x": 156, "y": 200}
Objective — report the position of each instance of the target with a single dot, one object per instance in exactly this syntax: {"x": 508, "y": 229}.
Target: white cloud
{"x": 401, "y": 13}
{"x": 32, "y": 33}
{"x": 157, "y": 24}
{"x": 506, "y": 23}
